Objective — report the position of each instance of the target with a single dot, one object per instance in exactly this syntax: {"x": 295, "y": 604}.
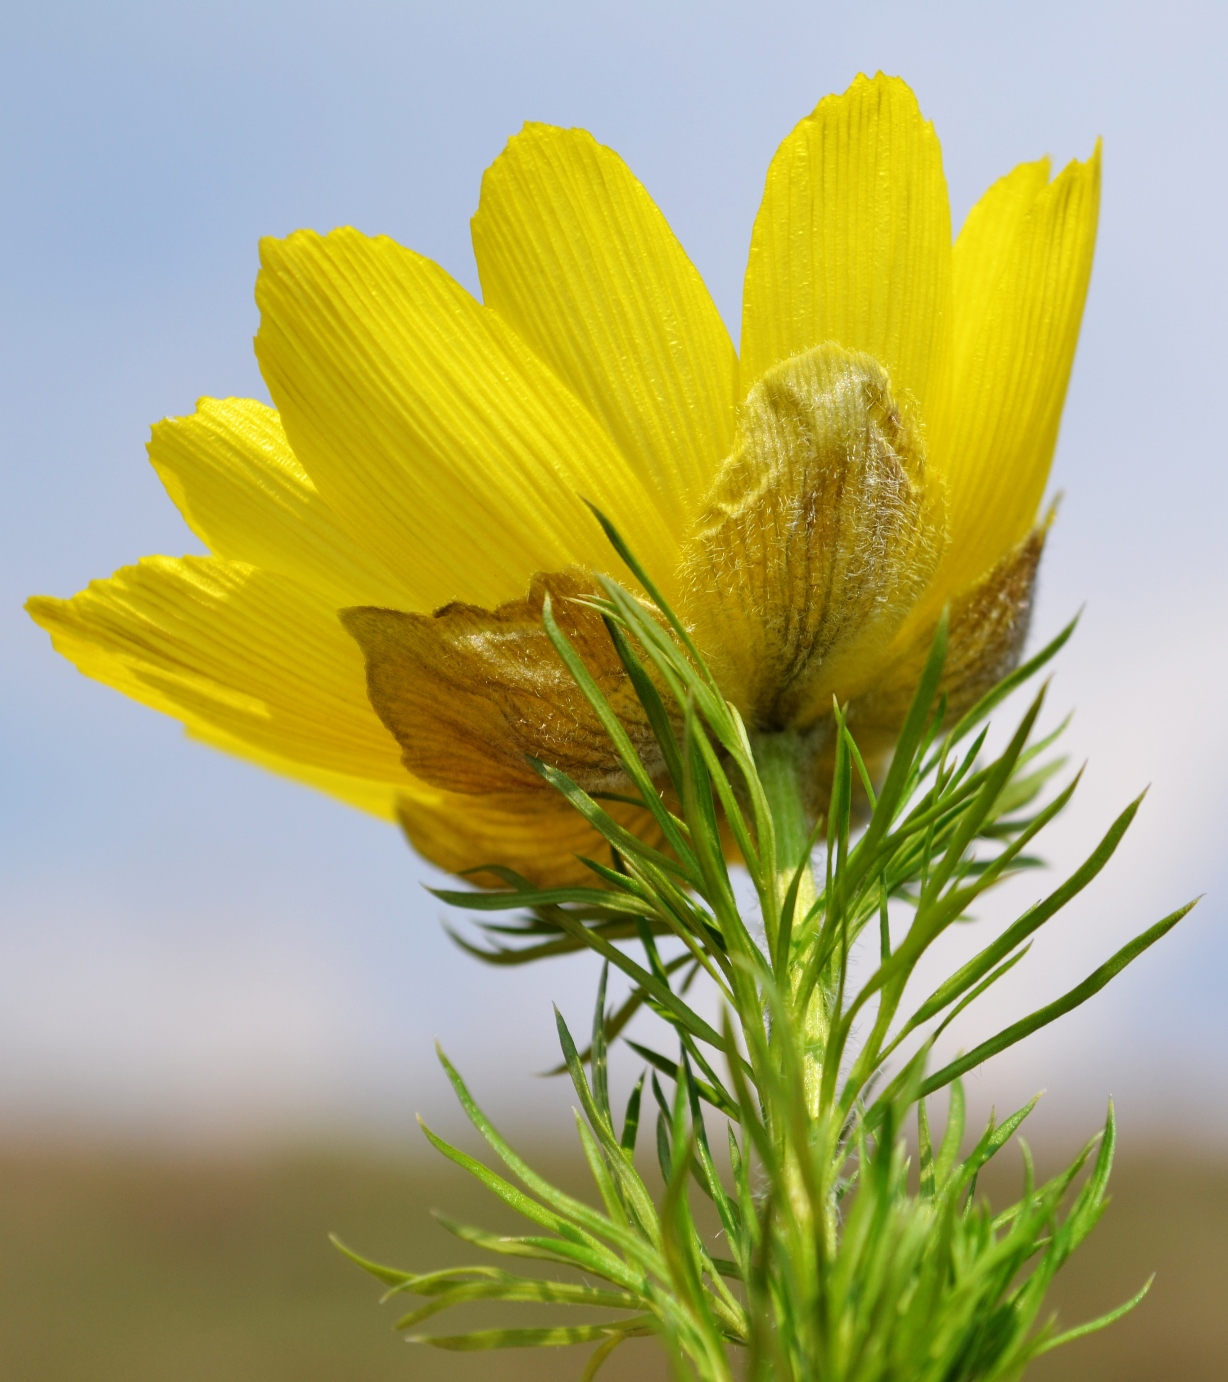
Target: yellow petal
{"x": 537, "y": 835}
{"x": 469, "y": 692}
{"x": 574, "y": 254}
{"x": 1022, "y": 265}
{"x": 380, "y": 799}
{"x": 242, "y": 491}
{"x": 442, "y": 443}
{"x": 852, "y": 242}
{"x": 822, "y": 531}
{"x": 986, "y": 246}
{"x": 232, "y": 651}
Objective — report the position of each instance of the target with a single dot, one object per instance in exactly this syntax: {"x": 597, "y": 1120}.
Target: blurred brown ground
{"x": 118, "y": 1268}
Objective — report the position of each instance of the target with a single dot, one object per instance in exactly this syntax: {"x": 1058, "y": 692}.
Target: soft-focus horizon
{"x": 196, "y": 952}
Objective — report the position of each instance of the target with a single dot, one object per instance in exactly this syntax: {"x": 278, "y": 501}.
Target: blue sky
{"x": 191, "y": 948}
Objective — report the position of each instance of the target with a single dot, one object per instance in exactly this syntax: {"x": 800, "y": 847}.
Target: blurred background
{"x": 219, "y": 992}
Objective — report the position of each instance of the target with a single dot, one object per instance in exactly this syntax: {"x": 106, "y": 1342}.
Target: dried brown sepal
{"x": 987, "y": 630}
{"x": 468, "y": 693}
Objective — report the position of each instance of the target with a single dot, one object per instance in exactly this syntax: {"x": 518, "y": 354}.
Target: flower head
{"x": 382, "y": 543}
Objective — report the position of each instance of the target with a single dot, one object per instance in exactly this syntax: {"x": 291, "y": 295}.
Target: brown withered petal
{"x": 988, "y": 627}
{"x": 987, "y": 630}
{"x": 539, "y": 834}
{"x": 819, "y": 536}
{"x": 468, "y": 692}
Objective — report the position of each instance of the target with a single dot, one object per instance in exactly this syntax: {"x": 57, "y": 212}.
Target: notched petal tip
{"x": 470, "y": 694}
{"x": 852, "y": 241}
{"x": 1022, "y": 266}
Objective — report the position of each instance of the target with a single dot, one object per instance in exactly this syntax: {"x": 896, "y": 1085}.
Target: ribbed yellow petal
{"x": 574, "y": 254}
{"x": 439, "y": 439}
{"x": 852, "y": 242}
{"x": 986, "y": 245}
{"x": 230, "y": 650}
{"x": 242, "y": 491}
{"x": 381, "y": 799}
{"x": 1022, "y": 265}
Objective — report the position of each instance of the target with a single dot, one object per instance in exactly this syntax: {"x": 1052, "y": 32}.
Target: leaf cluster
{"x": 841, "y": 1259}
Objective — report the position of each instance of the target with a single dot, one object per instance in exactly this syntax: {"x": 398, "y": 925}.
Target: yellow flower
{"x": 878, "y": 452}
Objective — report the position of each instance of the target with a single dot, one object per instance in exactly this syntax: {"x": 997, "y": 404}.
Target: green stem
{"x": 782, "y": 759}
{"x": 779, "y": 760}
